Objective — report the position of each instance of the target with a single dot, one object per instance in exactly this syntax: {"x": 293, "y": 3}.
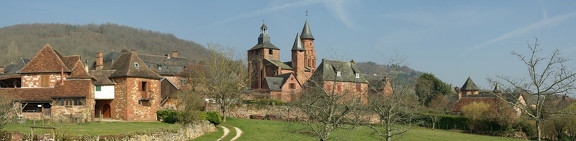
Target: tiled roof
{"x": 71, "y": 88}
{"x": 264, "y": 45}
{"x": 130, "y": 65}
{"x": 279, "y": 64}
{"x": 47, "y": 60}
{"x": 16, "y": 67}
{"x": 327, "y": 71}
{"x": 101, "y": 77}
{"x": 78, "y": 70}
{"x": 275, "y": 83}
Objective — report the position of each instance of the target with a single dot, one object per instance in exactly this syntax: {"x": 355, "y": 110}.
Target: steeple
{"x": 306, "y": 33}
{"x": 297, "y": 43}
{"x": 263, "y": 34}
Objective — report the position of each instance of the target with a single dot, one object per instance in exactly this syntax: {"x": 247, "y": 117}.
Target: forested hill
{"x": 373, "y": 70}
{"x": 25, "y": 40}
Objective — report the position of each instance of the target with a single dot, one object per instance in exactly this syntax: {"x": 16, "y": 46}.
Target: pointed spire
{"x": 469, "y": 85}
{"x": 297, "y": 43}
{"x": 497, "y": 89}
{"x": 306, "y": 33}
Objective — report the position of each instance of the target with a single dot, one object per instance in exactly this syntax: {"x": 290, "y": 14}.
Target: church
{"x": 281, "y": 79}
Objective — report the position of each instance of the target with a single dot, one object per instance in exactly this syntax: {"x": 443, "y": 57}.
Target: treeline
{"x": 24, "y": 40}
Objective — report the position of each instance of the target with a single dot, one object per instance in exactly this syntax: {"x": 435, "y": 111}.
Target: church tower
{"x": 298, "y": 53}
{"x": 308, "y": 42}
{"x": 256, "y": 56}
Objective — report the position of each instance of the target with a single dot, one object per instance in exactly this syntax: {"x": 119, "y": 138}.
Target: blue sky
{"x": 450, "y": 39}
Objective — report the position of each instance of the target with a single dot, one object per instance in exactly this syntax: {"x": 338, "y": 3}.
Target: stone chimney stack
{"x": 174, "y": 53}
{"x": 99, "y": 61}
{"x": 1, "y": 69}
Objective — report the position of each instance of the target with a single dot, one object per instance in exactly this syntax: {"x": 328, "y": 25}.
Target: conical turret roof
{"x": 297, "y": 43}
{"x": 306, "y": 33}
{"x": 469, "y": 85}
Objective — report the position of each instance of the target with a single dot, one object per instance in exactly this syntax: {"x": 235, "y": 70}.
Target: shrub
{"x": 213, "y": 117}
{"x": 168, "y": 116}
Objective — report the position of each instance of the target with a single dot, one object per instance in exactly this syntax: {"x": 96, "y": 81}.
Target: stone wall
{"x": 34, "y": 80}
{"x": 131, "y": 104}
{"x": 189, "y": 132}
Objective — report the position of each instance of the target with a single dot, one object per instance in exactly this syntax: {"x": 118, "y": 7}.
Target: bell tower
{"x": 308, "y": 43}
{"x": 264, "y": 49}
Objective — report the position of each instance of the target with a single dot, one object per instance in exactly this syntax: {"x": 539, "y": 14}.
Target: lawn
{"x": 95, "y": 128}
{"x": 286, "y": 131}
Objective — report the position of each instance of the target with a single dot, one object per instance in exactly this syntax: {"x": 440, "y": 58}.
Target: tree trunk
{"x": 223, "y": 114}
{"x": 538, "y": 130}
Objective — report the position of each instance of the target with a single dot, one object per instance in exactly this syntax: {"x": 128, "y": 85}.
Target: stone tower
{"x": 256, "y": 56}
{"x": 298, "y": 53}
{"x": 308, "y": 42}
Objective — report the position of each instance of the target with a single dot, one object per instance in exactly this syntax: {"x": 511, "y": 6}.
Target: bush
{"x": 213, "y": 117}
{"x": 168, "y": 116}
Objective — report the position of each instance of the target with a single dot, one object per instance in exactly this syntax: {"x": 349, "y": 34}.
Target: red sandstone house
{"x": 49, "y": 86}
{"x": 340, "y": 78}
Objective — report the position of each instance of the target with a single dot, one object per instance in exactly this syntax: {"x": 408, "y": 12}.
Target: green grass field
{"x": 95, "y": 128}
{"x": 264, "y": 130}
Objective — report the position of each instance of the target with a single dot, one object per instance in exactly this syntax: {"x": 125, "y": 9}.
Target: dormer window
{"x": 338, "y": 73}
{"x": 159, "y": 67}
{"x": 357, "y": 75}
{"x": 136, "y": 65}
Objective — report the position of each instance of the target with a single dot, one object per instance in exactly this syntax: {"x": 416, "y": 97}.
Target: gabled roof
{"x": 130, "y": 65}
{"x": 275, "y": 83}
{"x": 16, "y": 67}
{"x": 47, "y": 60}
{"x": 101, "y": 77}
{"x": 72, "y": 88}
{"x": 164, "y": 66}
{"x": 279, "y": 64}
{"x": 469, "y": 85}
{"x": 78, "y": 71}
{"x": 327, "y": 71}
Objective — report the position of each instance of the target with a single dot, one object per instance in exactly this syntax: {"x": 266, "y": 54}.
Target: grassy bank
{"x": 95, "y": 128}
{"x": 286, "y": 131}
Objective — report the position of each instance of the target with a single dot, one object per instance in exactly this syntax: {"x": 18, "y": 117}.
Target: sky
{"x": 453, "y": 40}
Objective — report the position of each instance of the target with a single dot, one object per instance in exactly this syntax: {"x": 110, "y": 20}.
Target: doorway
{"x": 106, "y": 111}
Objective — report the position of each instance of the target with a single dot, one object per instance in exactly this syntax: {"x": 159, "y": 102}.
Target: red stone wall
{"x": 349, "y": 89}
{"x": 287, "y": 94}
{"x": 34, "y": 80}
{"x": 130, "y": 105}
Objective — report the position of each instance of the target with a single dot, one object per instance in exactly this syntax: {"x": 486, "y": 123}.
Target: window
{"x": 270, "y": 52}
{"x": 144, "y": 103}
{"x": 357, "y": 75}
{"x": 328, "y": 87}
{"x": 98, "y": 88}
{"x": 143, "y": 86}
{"x": 292, "y": 86}
{"x": 70, "y": 101}
{"x": 136, "y": 65}
{"x": 338, "y": 73}
{"x": 183, "y": 81}
{"x": 159, "y": 67}
{"x": 45, "y": 81}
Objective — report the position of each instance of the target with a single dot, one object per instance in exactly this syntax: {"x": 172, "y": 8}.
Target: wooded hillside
{"x": 25, "y": 40}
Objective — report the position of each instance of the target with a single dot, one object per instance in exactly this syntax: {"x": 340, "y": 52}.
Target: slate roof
{"x": 16, "y": 67}
{"x": 297, "y": 43}
{"x": 164, "y": 66}
{"x": 306, "y": 33}
{"x": 469, "y": 85}
{"x": 279, "y": 64}
{"x": 328, "y": 69}
{"x": 275, "y": 83}
{"x": 101, "y": 77}
{"x": 378, "y": 84}
{"x": 130, "y": 65}
{"x": 264, "y": 40}
{"x": 47, "y": 60}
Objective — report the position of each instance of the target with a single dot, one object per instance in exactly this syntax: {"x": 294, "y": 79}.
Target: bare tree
{"x": 5, "y": 108}
{"x": 327, "y": 110}
{"x": 395, "y": 111}
{"x": 547, "y": 75}
{"x": 222, "y": 78}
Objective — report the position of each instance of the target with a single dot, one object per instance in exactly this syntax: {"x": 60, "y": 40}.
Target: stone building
{"x": 126, "y": 89}
{"x": 49, "y": 86}
{"x": 340, "y": 78}
{"x": 281, "y": 80}
{"x": 497, "y": 99}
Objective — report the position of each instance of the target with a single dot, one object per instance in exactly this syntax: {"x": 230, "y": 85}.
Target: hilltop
{"x": 24, "y": 40}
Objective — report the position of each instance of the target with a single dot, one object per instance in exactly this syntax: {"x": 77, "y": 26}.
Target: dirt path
{"x": 238, "y": 134}
{"x": 226, "y": 131}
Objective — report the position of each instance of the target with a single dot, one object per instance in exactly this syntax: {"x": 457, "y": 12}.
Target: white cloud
{"x": 272, "y": 9}
{"x": 522, "y": 30}
{"x": 339, "y": 9}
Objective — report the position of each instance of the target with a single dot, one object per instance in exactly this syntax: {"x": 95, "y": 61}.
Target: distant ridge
{"x": 24, "y": 40}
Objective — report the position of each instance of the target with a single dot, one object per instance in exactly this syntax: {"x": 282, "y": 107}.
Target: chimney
{"x": 99, "y": 61}
{"x": 61, "y": 76}
{"x": 174, "y": 53}
{"x": 458, "y": 92}
{"x": 1, "y": 69}
{"x": 167, "y": 56}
